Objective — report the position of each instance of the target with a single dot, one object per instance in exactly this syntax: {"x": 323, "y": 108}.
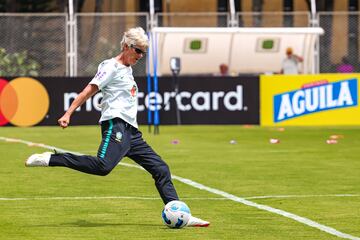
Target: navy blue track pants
{"x": 120, "y": 139}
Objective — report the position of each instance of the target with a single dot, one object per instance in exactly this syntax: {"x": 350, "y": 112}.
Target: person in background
{"x": 291, "y": 62}
{"x": 345, "y": 66}
{"x": 119, "y": 129}
{"x": 224, "y": 69}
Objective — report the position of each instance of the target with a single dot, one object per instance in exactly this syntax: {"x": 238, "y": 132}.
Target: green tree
{"x": 17, "y": 64}
{"x": 42, "y": 38}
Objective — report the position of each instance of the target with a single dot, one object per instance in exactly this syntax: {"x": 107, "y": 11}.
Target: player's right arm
{"x": 104, "y": 75}
{"x": 88, "y": 92}
{"x": 298, "y": 58}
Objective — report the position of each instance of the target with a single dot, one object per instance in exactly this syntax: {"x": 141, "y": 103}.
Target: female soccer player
{"x": 120, "y": 134}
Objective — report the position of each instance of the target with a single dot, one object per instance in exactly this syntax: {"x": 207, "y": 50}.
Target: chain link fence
{"x": 43, "y": 38}
{"x": 340, "y": 43}
{"x": 193, "y": 19}
{"x": 98, "y": 38}
{"x": 273, "y": 19}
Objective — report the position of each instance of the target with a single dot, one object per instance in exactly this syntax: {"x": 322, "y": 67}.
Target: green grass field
{"x": 302, "y": 175}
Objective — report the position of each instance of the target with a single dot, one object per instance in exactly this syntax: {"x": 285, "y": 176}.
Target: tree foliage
{"x": 17, "y": 64}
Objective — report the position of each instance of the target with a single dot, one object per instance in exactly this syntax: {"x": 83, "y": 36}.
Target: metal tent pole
{"x": 71, "y": 52}
{"x": 315, "y": 23}
{"x": 233, "y": 20}
{"x": 152, "y": 14}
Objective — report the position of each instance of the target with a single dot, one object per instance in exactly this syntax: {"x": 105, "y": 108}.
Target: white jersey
{"x": 290, "y": 66}
{"x": 119, "y": 91}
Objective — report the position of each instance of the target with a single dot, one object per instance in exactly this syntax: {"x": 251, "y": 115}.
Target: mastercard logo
{"x": 24, "y": 102}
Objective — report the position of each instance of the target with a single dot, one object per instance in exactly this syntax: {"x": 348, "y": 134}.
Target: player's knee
{"x": 163, "y": 171}
{"x": 104, "y": 170}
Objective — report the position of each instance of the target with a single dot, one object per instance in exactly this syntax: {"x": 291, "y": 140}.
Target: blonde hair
{"x": 135, "y": 36}
{"x": 289, "y": 50}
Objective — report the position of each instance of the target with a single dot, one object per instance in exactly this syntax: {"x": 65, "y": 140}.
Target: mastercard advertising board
{"x": 24, "y": 102}
{"x": 309, "y": 100}
{"x": 41, "y": 101}
{"x": 28, "y": 101}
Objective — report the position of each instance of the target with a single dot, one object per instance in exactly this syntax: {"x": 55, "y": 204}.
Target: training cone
{"x": 274, "y": 140}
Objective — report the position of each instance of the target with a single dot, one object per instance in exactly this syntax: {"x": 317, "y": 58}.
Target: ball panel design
{"x": 176, "y": 214}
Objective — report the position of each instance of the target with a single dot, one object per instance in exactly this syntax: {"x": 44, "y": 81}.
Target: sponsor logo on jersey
{"x": 315, "y": 97}
{"x": 99, "y": 75}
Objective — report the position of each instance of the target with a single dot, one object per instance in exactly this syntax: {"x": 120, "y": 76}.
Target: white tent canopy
{"x": 244, "y": 50}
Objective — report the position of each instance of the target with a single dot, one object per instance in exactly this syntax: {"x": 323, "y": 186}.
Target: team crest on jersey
{"x": 118, "y": 136}
{"x": 133, "y": 91}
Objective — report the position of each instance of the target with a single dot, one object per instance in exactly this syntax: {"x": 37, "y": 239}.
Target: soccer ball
{"x": 176, "y": 214}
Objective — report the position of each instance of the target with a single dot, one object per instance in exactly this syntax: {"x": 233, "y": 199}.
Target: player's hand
{"x": 64, "y": 121}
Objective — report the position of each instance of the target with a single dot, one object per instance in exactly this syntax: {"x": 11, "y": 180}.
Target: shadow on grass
{"x": 84, "y": 223}
{"x": 87, "y": 224}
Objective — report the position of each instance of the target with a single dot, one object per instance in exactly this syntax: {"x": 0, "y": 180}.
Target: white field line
{"x": 72, "y": 198}
{"x": 77, "y": 198}
{"x": 97, "y": 198}
{"x": 303, "y": 196}
{"x": 232, "y": 197}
